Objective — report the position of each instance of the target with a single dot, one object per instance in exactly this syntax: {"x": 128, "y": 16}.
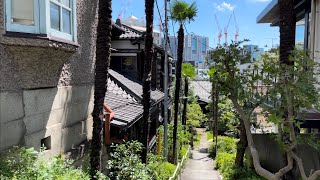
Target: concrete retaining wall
{"x": 63, "y": 113}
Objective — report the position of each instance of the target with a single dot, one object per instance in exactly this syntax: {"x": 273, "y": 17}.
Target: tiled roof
{"x": 202, "y": 89}
{"x": 133, "y": 87}
{"x": 127, "y": 110}
{"x": 124, "y": 98}
{"x": 117, "y": 26}
{"x": 130, "y": 33}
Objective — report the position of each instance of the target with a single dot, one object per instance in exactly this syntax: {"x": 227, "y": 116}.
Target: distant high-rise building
{"x": 255, "y": 51}
{"x": 195, "y": 49}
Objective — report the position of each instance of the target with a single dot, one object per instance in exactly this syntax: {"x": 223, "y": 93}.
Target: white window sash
{"x": 73, "y": 21}
{"x": 14, "y": 27}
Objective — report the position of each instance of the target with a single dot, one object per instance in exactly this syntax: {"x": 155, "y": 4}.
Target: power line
{"x": 201, "y": 86}
{"x": 159, "y": 12}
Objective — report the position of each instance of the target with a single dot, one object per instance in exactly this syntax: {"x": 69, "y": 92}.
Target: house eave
{"x": 270, "y": 14}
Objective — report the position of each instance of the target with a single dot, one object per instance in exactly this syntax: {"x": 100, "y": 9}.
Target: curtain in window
{"x": 22, "y": 12}
{"x": 315, "y": 30}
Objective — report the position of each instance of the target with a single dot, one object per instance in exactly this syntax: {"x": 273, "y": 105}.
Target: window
{"x": 203, "y": 45}
{"x": 194, "y": 45}
{"x": 55, "y": 18}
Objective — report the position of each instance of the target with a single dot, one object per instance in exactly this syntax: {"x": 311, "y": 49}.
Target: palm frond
{"x": 182, "y": 11}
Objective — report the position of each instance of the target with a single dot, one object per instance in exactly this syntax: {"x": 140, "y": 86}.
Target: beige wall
{"x": 46, "y": 86}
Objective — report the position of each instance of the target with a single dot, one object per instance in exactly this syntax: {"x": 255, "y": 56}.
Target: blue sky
{"x": 246, "y": 13}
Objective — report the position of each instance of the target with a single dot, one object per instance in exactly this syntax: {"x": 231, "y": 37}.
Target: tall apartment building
{"x": 195, "y": 49}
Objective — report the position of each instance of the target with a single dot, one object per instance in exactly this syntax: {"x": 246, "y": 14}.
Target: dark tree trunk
{"x": 185, "y": 103}
{"x": 287, "y": 44}
{"x": 287, "y": 30}
{"x": 177, "y": 90}
{"x": 241, "y": 145}
{"x": 149, "y": 50}
{"x": 103, "y": 52}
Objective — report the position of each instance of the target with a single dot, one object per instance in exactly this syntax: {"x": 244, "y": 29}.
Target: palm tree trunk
{"x": 186, "y": 90}
{"x": 149, "y": 51}
{"x": 287, "y": 30}
{"x": 177, "y": 90}
{"x": 287, "y": 44}
{"x": 103, "y": 52}
{"x": 241, "y": 145}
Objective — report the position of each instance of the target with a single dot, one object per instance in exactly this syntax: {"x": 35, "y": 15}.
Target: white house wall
{"x": 123, "y": 44}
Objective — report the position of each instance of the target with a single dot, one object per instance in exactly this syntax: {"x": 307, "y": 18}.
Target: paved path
{"x": 200, "y": 166}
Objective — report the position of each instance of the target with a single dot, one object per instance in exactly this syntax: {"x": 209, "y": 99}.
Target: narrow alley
{"x": 200, "y": 165}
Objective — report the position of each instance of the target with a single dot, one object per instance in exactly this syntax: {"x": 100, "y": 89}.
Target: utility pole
{"x": 165, "y": 84}
{"x": 216, "y": 116}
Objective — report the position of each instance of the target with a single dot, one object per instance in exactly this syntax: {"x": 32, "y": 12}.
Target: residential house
{"x": 140, "y": 25}
{"x": 202, "y": 90}
{"x": 124, "y": 96}
{"x": 47, "y": 60}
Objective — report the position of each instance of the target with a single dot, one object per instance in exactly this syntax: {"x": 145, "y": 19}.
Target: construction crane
{"x": 237, "y": 27}
{"x": 226, "y": 29}
{"x": 220, "y": 31}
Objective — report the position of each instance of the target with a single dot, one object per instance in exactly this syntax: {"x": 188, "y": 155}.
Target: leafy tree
{"x": 244, "y": 90}
{"x": 195, "y": 115}
{"x": 181, "y": 12}
{"x": 188, "y": 72}
{"x": 149, "y": 51}
{"x": 226, "y": 80}
{"x": 103, "y": 52}
{"x": 228, "y": 118}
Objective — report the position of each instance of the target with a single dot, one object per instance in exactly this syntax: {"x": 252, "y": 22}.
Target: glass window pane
{"x": 66, "y": 19}
{"x": 66, "y": 2}
{"x": 55, "y": 16}
{"x": 22, "y": 12}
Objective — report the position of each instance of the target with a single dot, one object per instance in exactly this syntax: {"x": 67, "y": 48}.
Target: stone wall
{"x": 46, "y": 86}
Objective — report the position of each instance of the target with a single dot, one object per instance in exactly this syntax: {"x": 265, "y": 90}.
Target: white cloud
{"x": 225, "y": 6}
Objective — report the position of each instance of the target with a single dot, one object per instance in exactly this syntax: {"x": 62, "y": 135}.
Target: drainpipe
{"x": 108, "y": 118}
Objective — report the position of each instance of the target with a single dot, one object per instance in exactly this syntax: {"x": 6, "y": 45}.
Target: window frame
{"x": 42, "y": 23}
{"x": 15, "y": 27}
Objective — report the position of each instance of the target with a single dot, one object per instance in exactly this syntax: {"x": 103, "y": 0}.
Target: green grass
{"x": 209, "y": 135}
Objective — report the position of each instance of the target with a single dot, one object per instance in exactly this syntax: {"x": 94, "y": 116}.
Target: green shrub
{"x": 183, "y": 138}
{"x": 22, "y": 163}
{"x": 125, "y": 162}
{"x": 225, "y": 165}
{"x": 160, "y": 169}
{"x": 209, "y": 135}
{"x": 225, "y": 144}
{"x": 224, "y": 161}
